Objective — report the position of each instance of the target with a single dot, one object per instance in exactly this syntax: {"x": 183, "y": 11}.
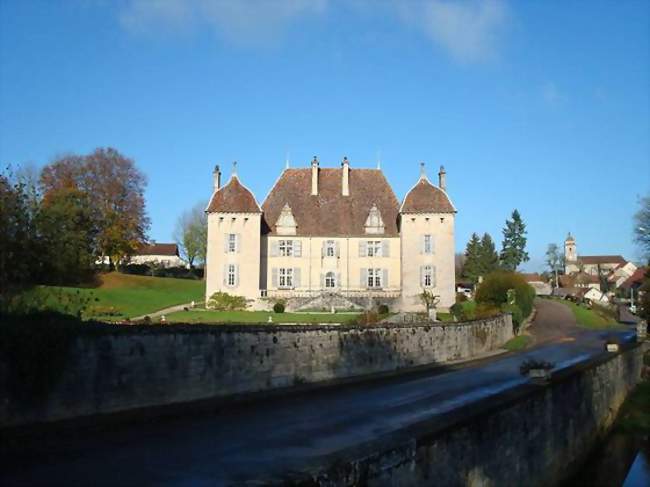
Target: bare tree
{"x": 642, "y": 226}
{"x": 554, "y": 260}
{"x": 191, "y": 234}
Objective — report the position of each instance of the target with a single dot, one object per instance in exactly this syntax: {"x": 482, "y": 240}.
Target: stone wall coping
{"x": 187, "y": 328}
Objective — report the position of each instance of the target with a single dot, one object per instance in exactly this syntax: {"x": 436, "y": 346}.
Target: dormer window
{"x": 374, "y": 222}
{"x": 286, "y": 224}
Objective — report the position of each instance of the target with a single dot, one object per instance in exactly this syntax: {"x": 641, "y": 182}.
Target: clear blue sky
{"x": 540, "y": 106}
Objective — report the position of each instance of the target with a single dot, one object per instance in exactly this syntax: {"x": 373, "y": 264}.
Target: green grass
{"x": 445, "y": 317}
{"x": 518, "y": 343}
{"x": 590, "y": 318}
{"x": 120, "y": 296}
{"x": 216, "y": 317}
{"x": 635, "y": 414}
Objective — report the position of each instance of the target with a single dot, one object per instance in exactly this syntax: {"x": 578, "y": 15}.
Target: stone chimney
{"x": 423, "y": 172}
{"x": 442, "y": 179}
{"x": 314, "y": 176}
{"x": 345, "y": 186}
{"x": 216, "y": 175}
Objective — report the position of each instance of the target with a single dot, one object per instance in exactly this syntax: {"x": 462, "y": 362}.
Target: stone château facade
{"x": 332, "y": 237}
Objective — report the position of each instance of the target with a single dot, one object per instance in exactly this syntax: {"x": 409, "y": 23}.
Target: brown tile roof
{"x": 601, "y": 259}
{"x": 330, "y": 213}
{"x": 234, "y": 197}
{"x": 636, "y": 279}
{"x": 577, "y": 280}
{"x": 158, "y": 249}
{"x": 424, "y": 197}
{"x": 532, "y": 277}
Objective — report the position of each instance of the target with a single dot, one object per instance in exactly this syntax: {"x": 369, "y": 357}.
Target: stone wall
{"x": 533, "y": 435}
{"x": 109, "y": 373}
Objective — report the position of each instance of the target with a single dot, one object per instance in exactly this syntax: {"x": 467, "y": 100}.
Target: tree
{"x": 554, "y": 260}
{"x": 472, "y": 267}
{"x": 488, "y": 257}
{"x": 642, "y": 226}
{"x": 429, "y": 300}
{"x": 513, "y": 251}
{"x": 191, "y": 234}
{"x": 114, "y": 189}
{"x": 644, "y": 297}
{"x": 459, "y": 264}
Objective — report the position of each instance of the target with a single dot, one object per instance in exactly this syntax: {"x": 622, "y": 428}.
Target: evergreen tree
{"x": 472, "y": 267}
{"x": 488, "y": 256}
{"x": 513, "y": 251}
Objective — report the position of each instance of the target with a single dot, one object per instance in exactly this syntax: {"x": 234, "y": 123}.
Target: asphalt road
{"x": 280, "y": 435}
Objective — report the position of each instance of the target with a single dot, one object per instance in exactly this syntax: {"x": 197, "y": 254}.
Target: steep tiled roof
{"x": 424, "y": 197}
{"x": 158, "y": 249}
{"x": 532, "y": 277}
{"x": 636, "y": 279}
{"x": 234, "y": 197}
{"x": 330, "y": 213}
{"x": 601, "y": 259}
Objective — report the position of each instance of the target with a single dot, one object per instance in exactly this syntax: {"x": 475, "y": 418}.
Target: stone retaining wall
{"x": 112, "y": 373}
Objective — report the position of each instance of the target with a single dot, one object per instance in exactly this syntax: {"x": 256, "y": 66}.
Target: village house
{"x": 332, "y": 238}
{"x": 594, "y": 265}
{"x": 162, "y": 254}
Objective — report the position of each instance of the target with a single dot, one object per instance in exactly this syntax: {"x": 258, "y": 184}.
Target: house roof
{"x": 601, "y": 259}
{"x": 532, "y": 277}
{"x": 424, "y": 197}
{"x": 234, "y": 197}
{"x": 158, "y": 249}
{"x": 635, "y": 279}
{"x": 577, "y": 279}
{"x": 329, "y": 212}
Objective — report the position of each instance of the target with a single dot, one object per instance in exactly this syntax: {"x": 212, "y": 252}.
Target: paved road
{"x": 268, "y": 438}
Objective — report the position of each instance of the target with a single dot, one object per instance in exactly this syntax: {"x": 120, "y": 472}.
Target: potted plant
{"x": 536, "y": 369}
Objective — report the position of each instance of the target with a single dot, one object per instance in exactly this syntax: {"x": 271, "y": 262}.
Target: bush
{"x": 278, "y": 307}
{"x": 517, "y": 315}
{"x": 461, "y": 297}
{"x": 367, "y": 318}
{"x": 494, "y": 291}
{"x": 485, "y": 310}
{"x": 382, "y": 309}
{"x": 225, "y": 302}
{"x": 464, "y": 311}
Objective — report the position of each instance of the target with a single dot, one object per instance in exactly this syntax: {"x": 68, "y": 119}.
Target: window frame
{"x": 374, "y": 248}
{"x": 428, "y": 242}
{"x": 330, "y": 248}
{"x": 232, "y": 275}
{"x": 285, "y": 248}
{"x": 232, "y": 243}
{"x": 375, "y": 278}
{"x": 331, "y": 277}
{"x": 427, "y": 273}
{"x": 285, "y": 277}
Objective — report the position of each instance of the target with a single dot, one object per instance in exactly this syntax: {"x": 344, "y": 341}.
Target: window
{"x": 330, "y": 280}
{"x": 232, "y": 274}
{"x": 427, "y": 276}
{"x": 428, "y": 244}
{"x": 286, "y": 248}
{"x": 374, "y": 277}
{"x": 232, "y": 242}
{"x": 330, "y": 248}
{"x": 373, "y": 248}
{"x": 286, "y": 277}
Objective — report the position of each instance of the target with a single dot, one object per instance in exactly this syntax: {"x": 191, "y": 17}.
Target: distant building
{"x": 542, "y": 287}
{"x": 163, "y": 254}
{"x": 589, "y": 264}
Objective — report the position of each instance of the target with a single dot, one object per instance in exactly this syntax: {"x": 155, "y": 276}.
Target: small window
{"x": 232, "y": 274}
{"x": 232, "y": 242}
{"x": 374, "y": 278}
{"x": 428, "y": 244}
{"x": 330, "y": 248}
{"x": 330, "y": 280}
{"x": 286, "y": 248}
{"x": 286, "y": 277}
{"x": 373, "y": 248}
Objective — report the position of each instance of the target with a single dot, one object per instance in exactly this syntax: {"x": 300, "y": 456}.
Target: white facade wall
{"x": 245, "y": 258}
{"x": 164, "y": 260}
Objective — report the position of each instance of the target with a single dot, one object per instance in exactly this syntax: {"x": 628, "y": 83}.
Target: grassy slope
{"x": 123, "y": 295}
{"x": 590, "y": 318}
{"x": 198, "y": 316}
{"x": 518, "y": 343}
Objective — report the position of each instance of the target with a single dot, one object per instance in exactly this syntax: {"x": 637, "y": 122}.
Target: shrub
{"x": 221, "y": 301}
{"x": 461, "y": 297}
{"x": 465, "y": 311}
{"x": 485, "y": 310}
{"x": 494, "y": 290}
{"x": 278, "y": 307}
{"x": 367, "y": 318}
{"x": 382, "y": 309}
{"x": 517, "y": 315}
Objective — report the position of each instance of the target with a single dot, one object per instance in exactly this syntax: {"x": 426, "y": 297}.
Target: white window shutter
{"x": 433, "y": 244}
{"x": 433, "y": 276}
{"x": 296, "y": 277}
{"x": 225, "y": 242}
{"x": 385, "y": 248}
{"x": 274, "y": 248}
{"x": 338, "y": 249}
{"x": 274, "y": 277}
{"x": 362, "y": 249}
{"x": 297, "y": 248}
{"x": 422, "y": 248}
{"x": 384, "y": 278}
{"x": 225, "y": 275}
{"x": 364, "y": 278}
{"x": 237, "y": 242}
{"x": 236, "y": 275}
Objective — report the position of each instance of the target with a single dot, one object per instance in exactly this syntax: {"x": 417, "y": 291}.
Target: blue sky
{"x": 540, "y": 106}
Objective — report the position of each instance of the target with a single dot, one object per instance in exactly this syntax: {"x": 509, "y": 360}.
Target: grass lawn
{"x": 590, "y": 318}
{"x": 121, "y": 295}
{"x": 518, "y": 343}
{"x": 634, "y": 417}
{"x": 216, "y": 317}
